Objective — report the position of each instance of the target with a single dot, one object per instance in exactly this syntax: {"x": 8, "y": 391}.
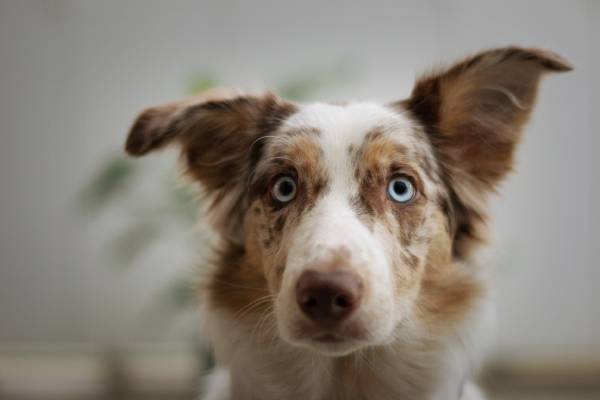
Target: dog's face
{"x": 343, "y": 213}
{"x": 349, "y": 221}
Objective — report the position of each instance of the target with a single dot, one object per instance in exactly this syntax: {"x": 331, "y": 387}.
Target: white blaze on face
{"x": 331, "y": 231}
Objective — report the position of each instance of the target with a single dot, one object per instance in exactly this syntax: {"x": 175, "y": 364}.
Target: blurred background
{"x": 97, "y": 251}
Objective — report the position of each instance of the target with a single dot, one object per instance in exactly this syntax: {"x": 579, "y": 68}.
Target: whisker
{"x": 264, "y": 318}
{"x": 221, "y": 281}
{"x": 251, "y": 306}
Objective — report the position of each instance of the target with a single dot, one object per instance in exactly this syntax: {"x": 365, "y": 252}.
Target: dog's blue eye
{"x": 401, "y": 190}
{"x": 284, "y": 189}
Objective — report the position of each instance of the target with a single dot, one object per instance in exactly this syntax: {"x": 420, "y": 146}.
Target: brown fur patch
{"x": 380, "y": 159}
{"x": 447, "y": 295}
{"x": 238, "y": 285}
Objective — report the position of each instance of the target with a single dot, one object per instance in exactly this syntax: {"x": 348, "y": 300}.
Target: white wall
{"x": 74, "y": 73}
{"x": 594, "y": 240}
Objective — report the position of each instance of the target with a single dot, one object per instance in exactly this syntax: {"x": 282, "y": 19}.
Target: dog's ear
{"x": 215, "y": 131}
{"x": 473, "y": 113}
{"x": 218, "y": 135}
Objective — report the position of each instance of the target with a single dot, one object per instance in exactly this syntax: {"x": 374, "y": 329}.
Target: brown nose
{"x": 328, "y": 296}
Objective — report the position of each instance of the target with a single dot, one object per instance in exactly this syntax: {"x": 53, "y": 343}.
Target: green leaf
{"x": 183, "y": 200}
{"x": 132, "y": 242}
{"x": 307, "y": 85}
{"x": 108, "y": 182}
{"x": 181, "y": 294}
{"x": 201, "y": 82}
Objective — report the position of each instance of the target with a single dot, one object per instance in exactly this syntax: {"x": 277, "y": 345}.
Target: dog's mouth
{"x": 334, "y": 342}
{"x": 329, "y": 338}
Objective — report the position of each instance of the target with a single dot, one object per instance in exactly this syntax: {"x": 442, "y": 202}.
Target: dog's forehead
{"x": 341, "y": 130}
{"x": 349, "y": 124}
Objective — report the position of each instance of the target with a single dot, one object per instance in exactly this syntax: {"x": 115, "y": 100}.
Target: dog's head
{"x": 348, "y": 219}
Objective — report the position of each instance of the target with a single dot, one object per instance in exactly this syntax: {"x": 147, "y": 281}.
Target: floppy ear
{"x": 158, "y": 126}
{"x": 217, "y": 133}
{"x": 473, "y": 114}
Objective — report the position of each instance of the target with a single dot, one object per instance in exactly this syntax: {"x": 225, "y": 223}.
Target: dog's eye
{"x": 284, "y": 189}
{"x": 401, "y": 190}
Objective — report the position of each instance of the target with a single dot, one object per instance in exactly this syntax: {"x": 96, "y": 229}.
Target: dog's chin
{"x": 330, "y": 345}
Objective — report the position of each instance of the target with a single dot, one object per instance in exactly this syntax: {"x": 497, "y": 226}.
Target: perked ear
{"x": 474, "y": 113}
{"x": 217, "y": 132}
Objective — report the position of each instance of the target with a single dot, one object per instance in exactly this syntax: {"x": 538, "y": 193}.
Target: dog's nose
{"x": 328, "y": 296}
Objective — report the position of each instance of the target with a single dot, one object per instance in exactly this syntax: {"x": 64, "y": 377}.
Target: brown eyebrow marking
{"x": 376, "y": 155}
{"x": 297, "y": 146}
{"x": 295, "y": 151}
{"x": 374, "y": 134}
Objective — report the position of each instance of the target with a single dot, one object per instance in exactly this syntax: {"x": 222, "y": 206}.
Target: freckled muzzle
{"x": 337, "y": 292}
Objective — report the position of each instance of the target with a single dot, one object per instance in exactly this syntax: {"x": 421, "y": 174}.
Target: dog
{"x": 345, "y": 266}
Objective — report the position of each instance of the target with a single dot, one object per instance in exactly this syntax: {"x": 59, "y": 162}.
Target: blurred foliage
{"x": 200, "y": 82}
{"x": 112, "y": 177}
{"x": 183, "y": 201}
{"x": 116, "y": 181}
{"x": 132, "y": 241}
{"x": 303, "y": 87}
{"x": 180, "y": 293}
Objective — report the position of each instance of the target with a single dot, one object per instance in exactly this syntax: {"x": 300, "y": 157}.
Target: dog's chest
{"x": 355, "y": 378}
